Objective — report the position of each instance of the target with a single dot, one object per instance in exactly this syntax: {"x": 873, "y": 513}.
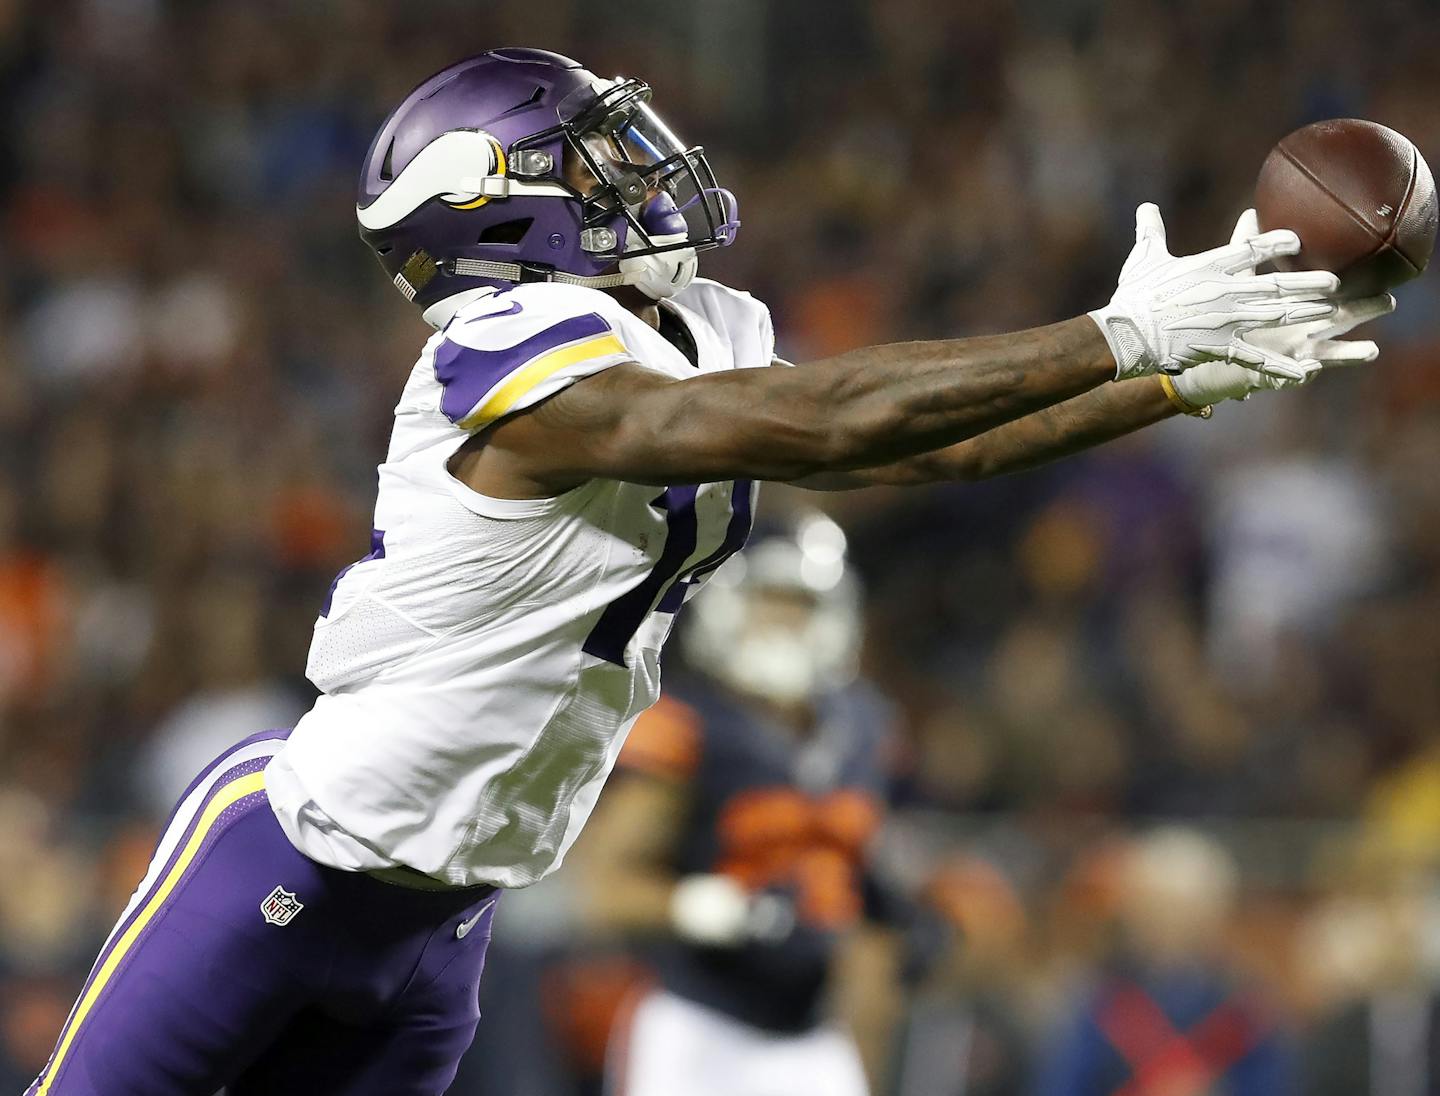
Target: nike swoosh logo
{"x": 514, "y": 308}
{"x": 462, "y": 930}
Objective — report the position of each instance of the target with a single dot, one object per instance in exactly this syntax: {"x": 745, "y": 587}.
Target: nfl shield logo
{"x": 280, "y": 907}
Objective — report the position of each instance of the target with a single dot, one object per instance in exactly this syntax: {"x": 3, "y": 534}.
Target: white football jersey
{"x": 481, "y": 666}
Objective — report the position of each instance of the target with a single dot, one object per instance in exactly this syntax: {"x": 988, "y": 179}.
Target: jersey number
{"x": 663, "y": 589}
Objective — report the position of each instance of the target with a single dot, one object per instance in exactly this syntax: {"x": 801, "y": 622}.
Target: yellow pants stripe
{"x": 227, "y": 795}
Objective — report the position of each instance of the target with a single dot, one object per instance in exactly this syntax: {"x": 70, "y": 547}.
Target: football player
{"x": 575, "y": 452}
{"x": 740, "y": 832}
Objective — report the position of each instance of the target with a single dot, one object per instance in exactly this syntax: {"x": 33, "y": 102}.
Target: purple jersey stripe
{"x": 377, "y": 551}
{"x": 623, "y": 616}
{"x": 736, "y": 533}
{"x": 466, "y": 374}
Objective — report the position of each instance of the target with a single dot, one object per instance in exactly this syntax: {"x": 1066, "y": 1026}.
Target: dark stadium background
{"x": 1232, "y": 627}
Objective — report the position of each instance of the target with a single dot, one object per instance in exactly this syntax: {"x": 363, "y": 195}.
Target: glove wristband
{"x": 1179, "y": 402}
{"x": 1126, "y": 343}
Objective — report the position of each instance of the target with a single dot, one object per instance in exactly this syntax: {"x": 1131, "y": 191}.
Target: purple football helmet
{"x": 465, "y": 185}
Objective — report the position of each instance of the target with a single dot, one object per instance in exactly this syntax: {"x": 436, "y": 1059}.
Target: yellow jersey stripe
{"x": 230, "y": 793}
{"x": 503, "y": 398}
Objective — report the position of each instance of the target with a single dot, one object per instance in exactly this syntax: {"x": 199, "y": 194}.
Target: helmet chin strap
{"x": 515, "y": 272}
{"x": 657, "y": 280}
{"x": 657, "y": 276}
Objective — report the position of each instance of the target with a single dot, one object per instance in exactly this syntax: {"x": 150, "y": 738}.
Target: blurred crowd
{"x": 1228, "y": 626}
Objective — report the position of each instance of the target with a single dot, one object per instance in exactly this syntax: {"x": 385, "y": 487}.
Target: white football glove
{"x": 1169, "y": 314}
{"x": 1316, "y": 343}
{"x": 716, "y": 911}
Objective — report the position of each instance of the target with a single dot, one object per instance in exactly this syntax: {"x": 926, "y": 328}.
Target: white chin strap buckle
{"x": 663, "y": 275}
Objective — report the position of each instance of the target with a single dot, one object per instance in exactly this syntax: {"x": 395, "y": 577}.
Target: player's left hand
{"x": 1316, "y": 345}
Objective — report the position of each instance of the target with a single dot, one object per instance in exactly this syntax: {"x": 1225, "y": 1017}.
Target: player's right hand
{"x": 716, "y": 911}
{"x": 1316, "y": 342}
{"x": 1171, "y": 313}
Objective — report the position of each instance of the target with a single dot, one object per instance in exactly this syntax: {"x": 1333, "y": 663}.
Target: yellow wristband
{"x": 1179, "y": 402}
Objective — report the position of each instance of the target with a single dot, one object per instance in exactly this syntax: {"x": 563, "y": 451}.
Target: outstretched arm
{"x": 1115, "y": 410}
{"x": 881, "y": 405}
{"x": 867, "y": 407}
{"x": 1098, "y": 416}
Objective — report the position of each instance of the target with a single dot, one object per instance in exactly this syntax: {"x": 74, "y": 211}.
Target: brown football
{"x": 1361, "y": 198}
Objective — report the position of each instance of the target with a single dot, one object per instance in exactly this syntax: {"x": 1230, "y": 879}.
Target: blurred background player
{"x": 739, "y": 834}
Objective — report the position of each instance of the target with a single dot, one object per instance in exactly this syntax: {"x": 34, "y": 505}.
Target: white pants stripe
{"x": 180, "y": 824}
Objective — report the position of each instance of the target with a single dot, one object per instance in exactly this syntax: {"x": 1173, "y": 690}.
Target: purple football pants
{"x": 240, "y": 963}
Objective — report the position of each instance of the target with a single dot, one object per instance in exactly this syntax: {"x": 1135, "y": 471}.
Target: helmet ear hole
{"x": 506, "y": 232}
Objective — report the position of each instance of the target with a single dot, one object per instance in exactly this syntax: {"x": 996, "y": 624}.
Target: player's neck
{"x": 633, "y": 301}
